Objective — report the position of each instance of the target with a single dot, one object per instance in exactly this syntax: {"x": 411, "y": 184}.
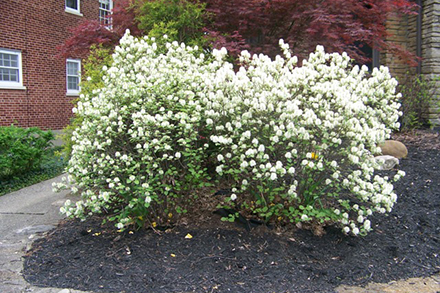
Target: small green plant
{"x": 22, "y": 149}
{"x": 418, "y": 93}
{"x": 51, "y": 166}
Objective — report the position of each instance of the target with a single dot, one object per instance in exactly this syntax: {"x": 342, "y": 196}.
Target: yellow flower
{"x": 188, "y": 236}
{"x": 173, "y": 255}
{"x": 154, "y": 224}
{"x": 314, "y": 155}
{"x": 170, "y": 215}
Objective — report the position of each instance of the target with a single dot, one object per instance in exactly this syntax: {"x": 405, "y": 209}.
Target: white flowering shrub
{"x": 138, "y": 154}
{"x": 295, "y": 143}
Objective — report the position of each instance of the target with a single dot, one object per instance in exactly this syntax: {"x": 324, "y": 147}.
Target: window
{"x": 105, "y": 9}
{"x": 11, "y": 72}
{"x": 72, "y": 6}
{"x": 73, "y": 76}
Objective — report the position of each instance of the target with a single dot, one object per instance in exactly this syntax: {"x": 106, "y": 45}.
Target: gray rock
{"x": 386, "y": 162}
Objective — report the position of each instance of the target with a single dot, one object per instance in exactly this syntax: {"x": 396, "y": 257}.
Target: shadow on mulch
{"x": 87, "y": 256}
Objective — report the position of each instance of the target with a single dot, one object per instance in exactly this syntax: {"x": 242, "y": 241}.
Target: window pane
{"x": 6, "y": 60}
{"x": 4, "y": 74}
{"x": 104, "y": 4}
{"x": 72, "y": 83}
{"x": 13, "y": 75}
{"x": 8, "y": 74}
{"x": 14, "y": 60}
{"x": 72, "y": 68}
{"x": 103, "y": 17}
{"x": 73, "y": 4}
{"x": 105, "y": 11}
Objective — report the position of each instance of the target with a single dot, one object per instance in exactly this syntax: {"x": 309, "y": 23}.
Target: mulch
{"x": 223, "y": 257}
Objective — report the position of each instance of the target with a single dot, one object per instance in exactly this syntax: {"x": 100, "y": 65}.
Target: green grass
{"x": 52, "y": 166}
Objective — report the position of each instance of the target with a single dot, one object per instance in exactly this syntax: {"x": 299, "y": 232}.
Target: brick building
{"x": 36, "y": 87}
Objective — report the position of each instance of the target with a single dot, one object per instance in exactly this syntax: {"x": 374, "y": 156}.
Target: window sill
{"x": 72, "y": 94}
{"x": 74, "y": 12}
{"x": 12, "y": 87}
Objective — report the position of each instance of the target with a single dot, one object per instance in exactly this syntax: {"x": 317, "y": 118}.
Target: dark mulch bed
{"x": 223, "y": 258}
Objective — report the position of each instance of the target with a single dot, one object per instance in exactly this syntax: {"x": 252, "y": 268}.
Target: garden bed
{"x": 223, "y": 257}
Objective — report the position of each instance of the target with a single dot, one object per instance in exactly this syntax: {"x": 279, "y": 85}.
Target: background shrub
{"x": 51, "y": 166}
{"x": 22, "y": 150}
{"x": 418, "y": 94}
{"x": 181, "y": 20}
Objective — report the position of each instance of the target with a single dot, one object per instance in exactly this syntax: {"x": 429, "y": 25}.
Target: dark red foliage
{"x": 123, "y": 17}
{"x": 257, "y": 26}
{"x": 92, "y": 32}
{"x": 338, "y": 25}
{"x": 87, "y": 33}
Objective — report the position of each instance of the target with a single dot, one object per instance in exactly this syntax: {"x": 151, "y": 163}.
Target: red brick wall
{"x": 36, "y": 28}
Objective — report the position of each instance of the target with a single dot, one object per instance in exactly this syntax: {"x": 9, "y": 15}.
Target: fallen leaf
{"x": 173, "y": 255}
{"x": 188, "y": 236}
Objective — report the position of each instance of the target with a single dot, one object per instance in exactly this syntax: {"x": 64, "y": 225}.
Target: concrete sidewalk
{"x": 24, "y": 215}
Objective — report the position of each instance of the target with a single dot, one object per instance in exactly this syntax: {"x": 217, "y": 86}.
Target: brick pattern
{"x": 404, "y": 32}
{"x": 36, "y": 28}
{"x": 431, "y": 52}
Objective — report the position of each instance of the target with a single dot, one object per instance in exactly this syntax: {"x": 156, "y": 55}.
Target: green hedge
{"x": 27, "y": 156}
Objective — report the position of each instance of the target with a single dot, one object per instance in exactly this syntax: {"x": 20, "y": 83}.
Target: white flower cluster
{"x": 306, "y": 132}
{"x": 139, "y": 131}
{"x": 292, "y": 138}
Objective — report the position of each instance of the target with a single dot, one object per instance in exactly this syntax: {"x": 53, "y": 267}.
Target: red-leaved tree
{"x": 338, "y": 25}
{"x": 92, "y": 32}
{"x": 257, "y": 26}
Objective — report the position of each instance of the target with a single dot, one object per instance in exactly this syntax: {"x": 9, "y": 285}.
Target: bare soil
{"x": 223, "y": 257}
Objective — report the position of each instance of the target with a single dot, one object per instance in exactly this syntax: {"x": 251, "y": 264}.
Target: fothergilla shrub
{"x": 138, "y": 154}
{"x": 295, "y": 143}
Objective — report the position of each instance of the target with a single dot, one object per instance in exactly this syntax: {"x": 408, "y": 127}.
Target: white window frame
{"x": 13, "y": 84}
{"x": 73, "y": 92}
{"x": 109, "y": 11}
{"x": 72, "y": 10}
